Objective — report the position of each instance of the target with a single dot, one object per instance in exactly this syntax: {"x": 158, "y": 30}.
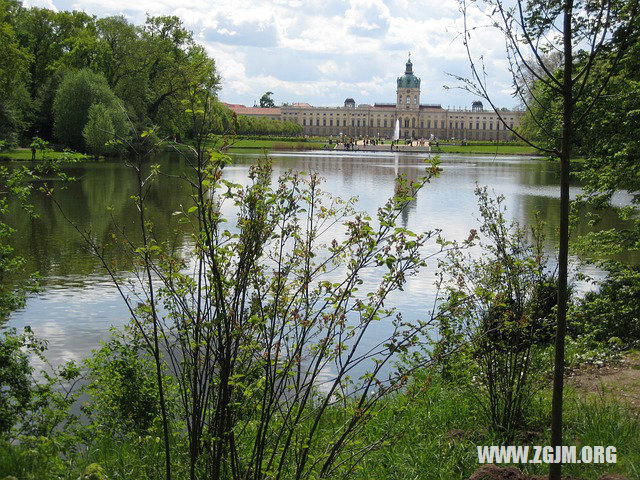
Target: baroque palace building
{"x": 416, "y": 120}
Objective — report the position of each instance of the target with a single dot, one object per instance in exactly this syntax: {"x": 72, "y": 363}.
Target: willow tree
{"x": 584, "y": 35}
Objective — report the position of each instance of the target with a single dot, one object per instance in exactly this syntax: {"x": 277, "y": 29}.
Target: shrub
{"x": 500, "y": 307}
{"x": 79, "y": 90}
{"x": 613, "y": 311}
{"x": 121, "y": 387}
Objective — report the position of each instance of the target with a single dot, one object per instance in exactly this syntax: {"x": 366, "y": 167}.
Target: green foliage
{"x": 13, "y": 71}
{"x": 15, "y": 379}
{"x": 94, "y": 472}
{"x": 150, "y": 68}
{"x": 266, "y": 101}
{"x": 500, "y": 308}
{"x": 266, "y": 126}
{"x": 121, "y": 387}
{"x": 612, "y": 313}
{"x": 99, "y": 131}
{"x": 79, "y": 90}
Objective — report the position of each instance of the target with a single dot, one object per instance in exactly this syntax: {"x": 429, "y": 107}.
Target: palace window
{"x": 415, "y": 99}
{"x": 477, "y": 125}
{"x": 358, "y": 122}
{"x": 408, "y": 100}
{"x": 413, "y": 123}
{"x": 304, "y": 121}
{"x": 353, "y": 122}
{"x": 324, "y": 122}
{"x": 385, "y": 122}
{"x": 484, "y": 127}
{"x": 378, "y": 123}
{"x": 470, "y": 125}
{"x": 491, "y": 126}
{"x": 442, "y": 124}
{"x": 331, "y": 122}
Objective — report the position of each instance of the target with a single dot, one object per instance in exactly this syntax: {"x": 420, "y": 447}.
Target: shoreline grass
{"x": 24, "y": 154}
{"x": 431, "y": 430}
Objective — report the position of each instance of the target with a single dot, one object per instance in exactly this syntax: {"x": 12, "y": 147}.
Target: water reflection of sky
{"x": 76, "y": 308}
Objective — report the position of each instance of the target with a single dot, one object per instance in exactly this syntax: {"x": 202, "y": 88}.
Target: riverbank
{"x": 499, "y": 149}
{"x": 246, "y": 145}
{"x": 431, "y": 429}
{"x": 24, "y": 154}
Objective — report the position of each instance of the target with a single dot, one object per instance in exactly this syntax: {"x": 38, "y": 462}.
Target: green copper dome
{"x": 408, "y": 80}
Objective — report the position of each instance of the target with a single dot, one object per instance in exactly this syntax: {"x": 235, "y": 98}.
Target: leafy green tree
{"x": 79, "y": 90}
{"x": 48, "y": 37}
{"x": 99, "y": 129}
{"x": 14, "y": 61}
{"x": 580, "y": 29}
{"x": 173, "y": 63}
{"x": 266, "y": 101}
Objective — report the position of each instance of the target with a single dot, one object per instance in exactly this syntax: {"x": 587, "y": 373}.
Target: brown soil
{"x": 616, "y": 381}
{"x": 494, "y": 472}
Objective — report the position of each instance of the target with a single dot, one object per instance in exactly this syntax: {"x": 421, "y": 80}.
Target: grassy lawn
{"x": 24, "y": 154}
{"x": 488, "y": 149}
{"x": 276, "y": 145}
{"x": 435, "y": 428}
{"x": 430, "y": 431}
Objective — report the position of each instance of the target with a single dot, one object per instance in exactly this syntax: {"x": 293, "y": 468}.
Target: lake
{"x": 78, "y": 304}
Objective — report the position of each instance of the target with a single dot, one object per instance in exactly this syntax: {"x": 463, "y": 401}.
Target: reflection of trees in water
{"x": 409, "y": 176}
{"x": 101, "y": 194}
{"x": 549, "y": 208}
{"x": 373, "y": 169}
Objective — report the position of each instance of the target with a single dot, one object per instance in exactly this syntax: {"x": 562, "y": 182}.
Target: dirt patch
{"x": 619, "y": 380}
{"x": 494, "y": 472}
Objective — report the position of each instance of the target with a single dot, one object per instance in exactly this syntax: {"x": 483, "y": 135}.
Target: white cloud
{"x": 321, "y": 53}
{"x": 40, "y": 3}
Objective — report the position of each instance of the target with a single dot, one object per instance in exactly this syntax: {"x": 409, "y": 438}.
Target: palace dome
{"x": 350, "y": 103}
{"x": 408, "y": 80}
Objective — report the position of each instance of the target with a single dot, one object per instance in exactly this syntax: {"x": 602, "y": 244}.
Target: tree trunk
{"x": 563, "y": 254}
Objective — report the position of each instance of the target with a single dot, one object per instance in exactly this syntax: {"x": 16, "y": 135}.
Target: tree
{"x": 531, "y": 29}
{"x": 79, "y": 90}
{"x": 266, "y": 101}
{"x": 14, "y": 61}
{"x": 98, "y": 130}
{"x": 47, "y": 36}
{"x": 172, "y": 63}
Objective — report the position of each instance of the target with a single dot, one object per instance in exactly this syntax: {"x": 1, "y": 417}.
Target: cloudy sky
{"x": 321, "y": 52}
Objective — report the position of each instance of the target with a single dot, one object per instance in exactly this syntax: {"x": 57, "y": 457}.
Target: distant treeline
{"x": 266, "y": 126}
{"x": 69, "y": 77}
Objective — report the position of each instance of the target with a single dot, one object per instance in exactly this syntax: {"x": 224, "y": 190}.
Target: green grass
{"x": 433, "y": 430}
{"x": 25, "y": 155}
{"x": 488, "y": 149}
{"x": 440, "y": 427}
{"x": 276, "y": 145}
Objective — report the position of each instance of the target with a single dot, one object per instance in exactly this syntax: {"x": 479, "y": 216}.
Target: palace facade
{"x": 416, "y": 120}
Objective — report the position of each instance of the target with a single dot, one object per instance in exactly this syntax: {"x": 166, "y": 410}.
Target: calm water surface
{"x": 78, "y": 303}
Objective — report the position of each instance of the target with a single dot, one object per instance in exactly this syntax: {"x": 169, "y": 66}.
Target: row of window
{"x": 469, "y": 135}
{"x": 407, "y": 123}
